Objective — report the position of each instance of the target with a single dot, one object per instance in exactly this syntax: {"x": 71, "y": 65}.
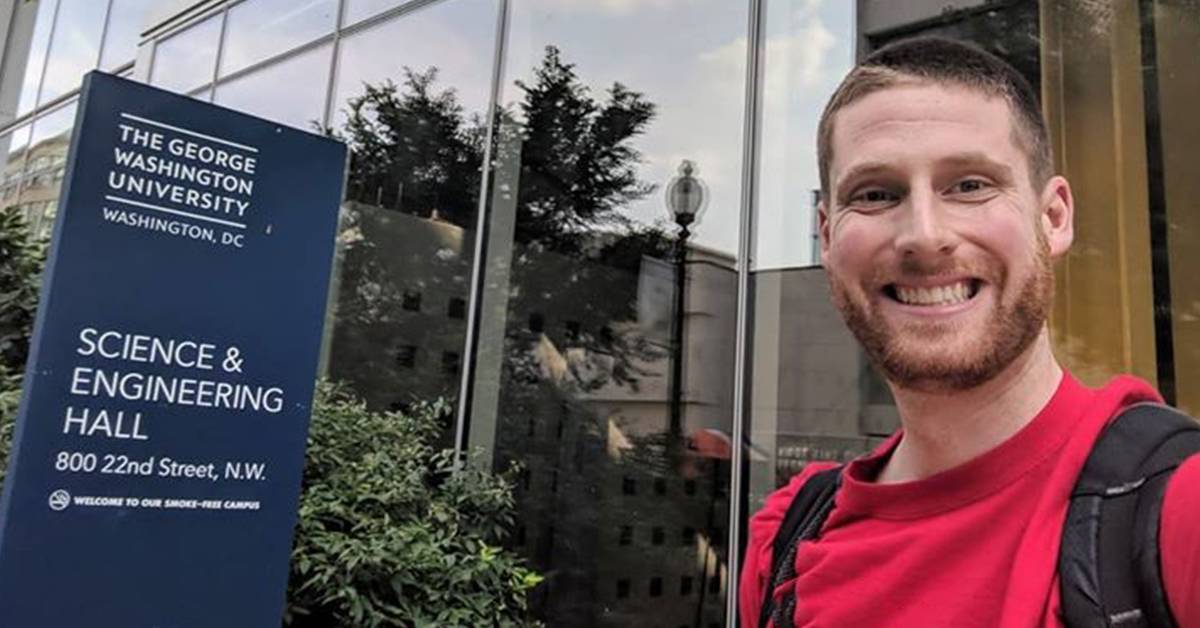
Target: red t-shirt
{"x": 976, "y": 545}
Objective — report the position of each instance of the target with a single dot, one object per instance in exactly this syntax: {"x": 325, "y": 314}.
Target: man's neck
{"x": 945, "y": 429}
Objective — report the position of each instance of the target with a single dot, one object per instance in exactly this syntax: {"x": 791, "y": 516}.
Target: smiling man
{"x": 941, "y": 217}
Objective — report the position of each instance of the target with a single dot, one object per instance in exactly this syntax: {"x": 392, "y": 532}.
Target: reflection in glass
{"x": 1103, "y": 319}
{"x": 13, "y": 146}
{"x": 45, "y": 164}
{"x": 813, "y": 395}
{"x": 1177, "y": 37}
{"x": 415, "y": 125}
{"x": 291, "y": 91}
{"x": 37, "y": 55}
{"x": 120, "y": 42}
{"x": 1009, "y": 30}
{"x": 457, "y": 38}
{"x": 577, "y": 348}
{"x": 809, "y": 47}
{"x": 186, "y": 60}
{"x": 259, "y": 29}
{"x": 75, "y": 47}
{"x": 358, "y": 10}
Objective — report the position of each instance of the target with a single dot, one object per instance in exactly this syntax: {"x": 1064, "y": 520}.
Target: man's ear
{"x": 823, "y": 228}
{"x": 1057, "y": 219}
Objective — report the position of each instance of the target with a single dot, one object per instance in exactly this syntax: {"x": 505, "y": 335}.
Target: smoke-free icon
{"x": 59, "y": 500}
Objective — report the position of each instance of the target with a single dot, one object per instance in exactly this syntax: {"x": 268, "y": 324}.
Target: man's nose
{"x": 924, "y": 230}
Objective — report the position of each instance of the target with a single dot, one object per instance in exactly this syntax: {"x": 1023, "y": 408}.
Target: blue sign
{"x": 160, "y": 442}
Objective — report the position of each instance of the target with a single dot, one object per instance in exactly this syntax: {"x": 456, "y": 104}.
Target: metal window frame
{"x": 482, "y": 231}
{"x": 37, "y": 96}
{"x": 751, "y": 138}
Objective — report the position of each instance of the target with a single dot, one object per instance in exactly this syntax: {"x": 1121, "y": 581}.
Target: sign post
{"x": 160, "y": 442}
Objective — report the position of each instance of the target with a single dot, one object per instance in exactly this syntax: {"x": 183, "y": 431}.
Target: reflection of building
{"x": 625, "y": 537}
{"x": 402, "y": 287}
{"x": 31, "y": 181}
{"x": 816, "y": 396}
{"x": 627, "y": 521}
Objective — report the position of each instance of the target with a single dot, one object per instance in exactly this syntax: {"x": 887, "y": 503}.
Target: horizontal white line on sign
{"x": 180, "y": 129}
{"x": 167, "y": 210}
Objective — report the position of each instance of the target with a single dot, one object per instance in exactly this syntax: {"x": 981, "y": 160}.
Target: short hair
{"x": 944, "y": 62}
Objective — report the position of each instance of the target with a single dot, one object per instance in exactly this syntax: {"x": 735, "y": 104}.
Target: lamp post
{"x": 685, "y": 199}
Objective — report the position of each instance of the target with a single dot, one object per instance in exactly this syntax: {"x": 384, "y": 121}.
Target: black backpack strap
{"x": 805, "y": 516}
{"x": 1109, "y": 567}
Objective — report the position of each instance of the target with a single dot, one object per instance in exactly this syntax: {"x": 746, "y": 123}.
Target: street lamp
{"x": 685, "y": 199}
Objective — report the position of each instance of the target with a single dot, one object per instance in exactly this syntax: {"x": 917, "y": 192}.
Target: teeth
{"x": 941, "y": 295}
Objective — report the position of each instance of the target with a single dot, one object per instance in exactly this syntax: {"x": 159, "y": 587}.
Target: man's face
{"x": 937, "y": 245}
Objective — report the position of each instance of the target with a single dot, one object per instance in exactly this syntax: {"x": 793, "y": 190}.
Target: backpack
{"x": 1114, "y": 512}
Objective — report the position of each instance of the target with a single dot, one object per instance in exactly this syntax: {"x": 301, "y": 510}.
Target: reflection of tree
{"x": 578, "y": 167}
{"x": 413, "y": 150}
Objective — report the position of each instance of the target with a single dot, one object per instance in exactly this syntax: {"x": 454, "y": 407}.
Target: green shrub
{"x": 21, "y": 260}
{"x": 10, "y": 396}
{"x": 390, "y": 536}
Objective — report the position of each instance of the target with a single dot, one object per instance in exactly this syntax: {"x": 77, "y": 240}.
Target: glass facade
{"x": 416, "y": 123}
{"x": 619, "y": 405}
{"x": 50, "y": 46}
{"x": 74, "y": 47}
{"x": 187, "y": 60}
{"x": 258, "y": 30}
{"x": 291, "y": 91}
{"x": 511, "y": 232}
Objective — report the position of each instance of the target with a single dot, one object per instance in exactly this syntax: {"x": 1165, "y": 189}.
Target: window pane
{"x": 291, "y": 92}
{"x": 186, "y": 60}
{"x": 580, "y": 318}
{"x": 454, "y": 39}
{"x": 1174, "y": 221}
{"x": 1103, "y": 320}
{"x": 124, "y": 22}
{"x": 358, "y": 10}
{"x": 37, "y": 55}
{"x": 13, "y": 146}
{"x": 75, "y": 47}
{"x": 44, "y": 166}
{"x": 809, "y": 47}
{"x": 807, "y": 400}
{"x": 259, "y": 29}
{"x": 412, "y": 196}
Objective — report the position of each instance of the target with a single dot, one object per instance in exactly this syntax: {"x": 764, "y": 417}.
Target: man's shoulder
{"x": 766, "y": 521}
{"x": 1097, "y": 407}
{"x": 1179, "y": 545}
{"x": 1121, "y": 392}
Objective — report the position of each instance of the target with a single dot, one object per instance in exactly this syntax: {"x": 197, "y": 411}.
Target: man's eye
{"x": 872, "y": 197}
{"x": 970, "y": 186}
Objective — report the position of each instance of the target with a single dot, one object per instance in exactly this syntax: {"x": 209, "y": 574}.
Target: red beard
{"x": 904, "y": 355}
